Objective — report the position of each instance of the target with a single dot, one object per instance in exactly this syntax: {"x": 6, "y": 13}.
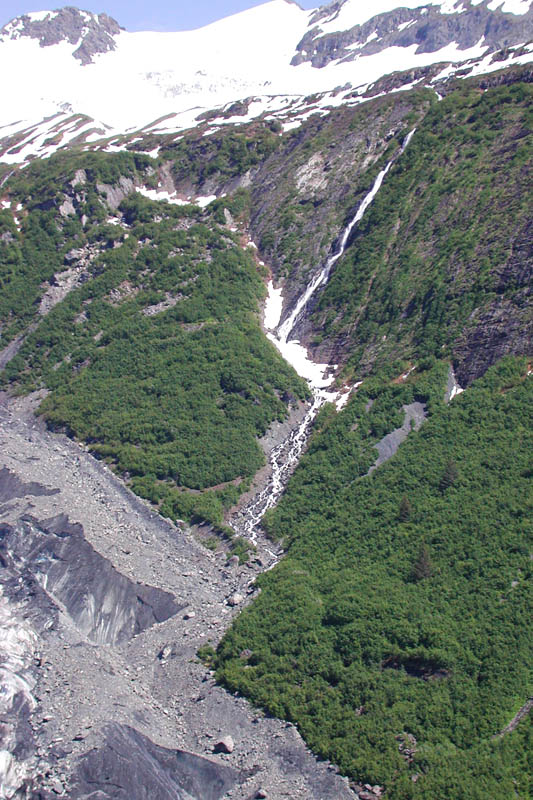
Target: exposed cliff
{"x": 92, "y": 33}
{"x": 428, "y": 29}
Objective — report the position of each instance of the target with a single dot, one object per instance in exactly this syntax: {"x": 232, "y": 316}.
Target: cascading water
{"x": 285, "y": 330}
{"x": 285, "y": 456}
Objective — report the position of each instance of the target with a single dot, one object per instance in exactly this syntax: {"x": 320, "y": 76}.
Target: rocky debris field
{"x": 119, "y": 600}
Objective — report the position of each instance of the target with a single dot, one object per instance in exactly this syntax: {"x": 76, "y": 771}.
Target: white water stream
{"x": 286, "y": 455}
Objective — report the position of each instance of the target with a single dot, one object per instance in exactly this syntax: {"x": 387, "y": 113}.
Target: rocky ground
{"x": 108, "y": 702}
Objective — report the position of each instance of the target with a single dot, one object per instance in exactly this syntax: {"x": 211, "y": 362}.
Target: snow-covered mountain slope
{"x": 79, "y": 77}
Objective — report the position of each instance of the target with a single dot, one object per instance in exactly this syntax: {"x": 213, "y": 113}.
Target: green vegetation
{"x": 157, "y": 360}
{"x": 377, "y": 625}
{"x": 320, "y": 172}
{"x": 32, "y": 255}
{"x": 440, "y": 241}
{"x": 223, "y": 154}
{"x": 395, "y": 633}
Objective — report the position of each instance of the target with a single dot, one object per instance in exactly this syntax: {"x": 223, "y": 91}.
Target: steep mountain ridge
{"x": 272, "y": 57}
{"x": 91, "y": 33}
{"x": 427, "y": 28}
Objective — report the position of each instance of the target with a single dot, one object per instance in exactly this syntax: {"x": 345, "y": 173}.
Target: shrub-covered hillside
{"x": 396, "y": 631}
{"x": 441, "y": 263}
{"x": 155, "y": 356}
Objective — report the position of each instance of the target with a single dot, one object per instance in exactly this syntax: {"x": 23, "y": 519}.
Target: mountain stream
{"x": 285, "y": 456}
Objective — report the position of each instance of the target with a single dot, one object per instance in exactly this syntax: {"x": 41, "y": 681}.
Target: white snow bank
{"x": 154, "y": 194}
{"x": 517, "y": 7}
{"x": 296, "y": 354}
{"x": 273, "y": 307}
{"x": 204, "y": 201}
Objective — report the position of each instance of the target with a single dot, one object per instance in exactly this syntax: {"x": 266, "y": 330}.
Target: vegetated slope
{"x": 35, "y": 235}
{"x": 155, "y": 357}
{"x": 441, "y": 263}
{"x": 395, "y": 632}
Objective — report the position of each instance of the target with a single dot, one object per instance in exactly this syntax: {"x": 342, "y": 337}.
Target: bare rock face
{"x": 115, "y": 194}
{"x": 129, "y": 765}
{"x": 427, "y": 28}
{"x": 103, "y": 604}
{"x": 93, "y": 33}
{"x": 303, "y": 196}
{"x": 224, "y": 745}
{"x": 504, "y": 328}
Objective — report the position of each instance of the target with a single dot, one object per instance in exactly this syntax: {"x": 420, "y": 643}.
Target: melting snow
{"x": 171, "y": 77}
{"x": 39, "y": 16}
{"x": 155, "y": 194}
{"x": 353, "y": 12}
{"x": 159, "y": 194}
{"x": 204, "y": 201}
{"x": 405, "y": 25}
{"x": 273, "y": 307}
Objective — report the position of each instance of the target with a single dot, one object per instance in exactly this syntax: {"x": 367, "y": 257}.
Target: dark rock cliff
{"x": 306, "y": 192}
{"x": 129, "y": 765}
{"x": 426, "y": 28}
{"x": 104, "y": 605}
{"x": 92, "y": 32}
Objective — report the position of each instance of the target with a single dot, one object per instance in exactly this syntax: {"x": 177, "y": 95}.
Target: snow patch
{"x": 204, "y": 201}
{"x": 39, "y": 16}
{"x": 154, "y": 194}
{"x": 273, "y": 307}
{"x": 353, "y": 12}
{"x": 517, "y": 7}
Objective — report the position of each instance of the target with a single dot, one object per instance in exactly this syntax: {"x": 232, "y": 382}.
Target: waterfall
{"x": 286, "y": 455}
{"x": 286, "y": 328}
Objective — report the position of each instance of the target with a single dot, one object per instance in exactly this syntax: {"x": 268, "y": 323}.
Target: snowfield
{"x": 162, "y": 82}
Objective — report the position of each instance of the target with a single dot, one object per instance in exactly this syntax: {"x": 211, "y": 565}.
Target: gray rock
{"x": 235, "y": 599}
{"x": 129, "y": 765}
{"x": 70, "y": 25}
{"x": 224, "y": 745}
{"x": 102, "y": 603}
{"x": 427, "y": 28}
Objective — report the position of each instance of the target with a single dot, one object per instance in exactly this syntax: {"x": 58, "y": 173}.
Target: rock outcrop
{"x": 125, "y": 760}
{"x": 428, "y": 29}
{"x": 104, "y": 605}
{"x": 92, "y": 33}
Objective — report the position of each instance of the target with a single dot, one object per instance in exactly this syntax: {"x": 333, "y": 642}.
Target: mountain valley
{"x": 266, "y": 346}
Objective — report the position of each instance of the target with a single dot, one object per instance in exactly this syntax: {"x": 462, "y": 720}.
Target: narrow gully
{"x": 285, "y": 457}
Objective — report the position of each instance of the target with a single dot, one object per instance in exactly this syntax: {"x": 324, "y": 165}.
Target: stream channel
{"x": 320, "y": 377}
